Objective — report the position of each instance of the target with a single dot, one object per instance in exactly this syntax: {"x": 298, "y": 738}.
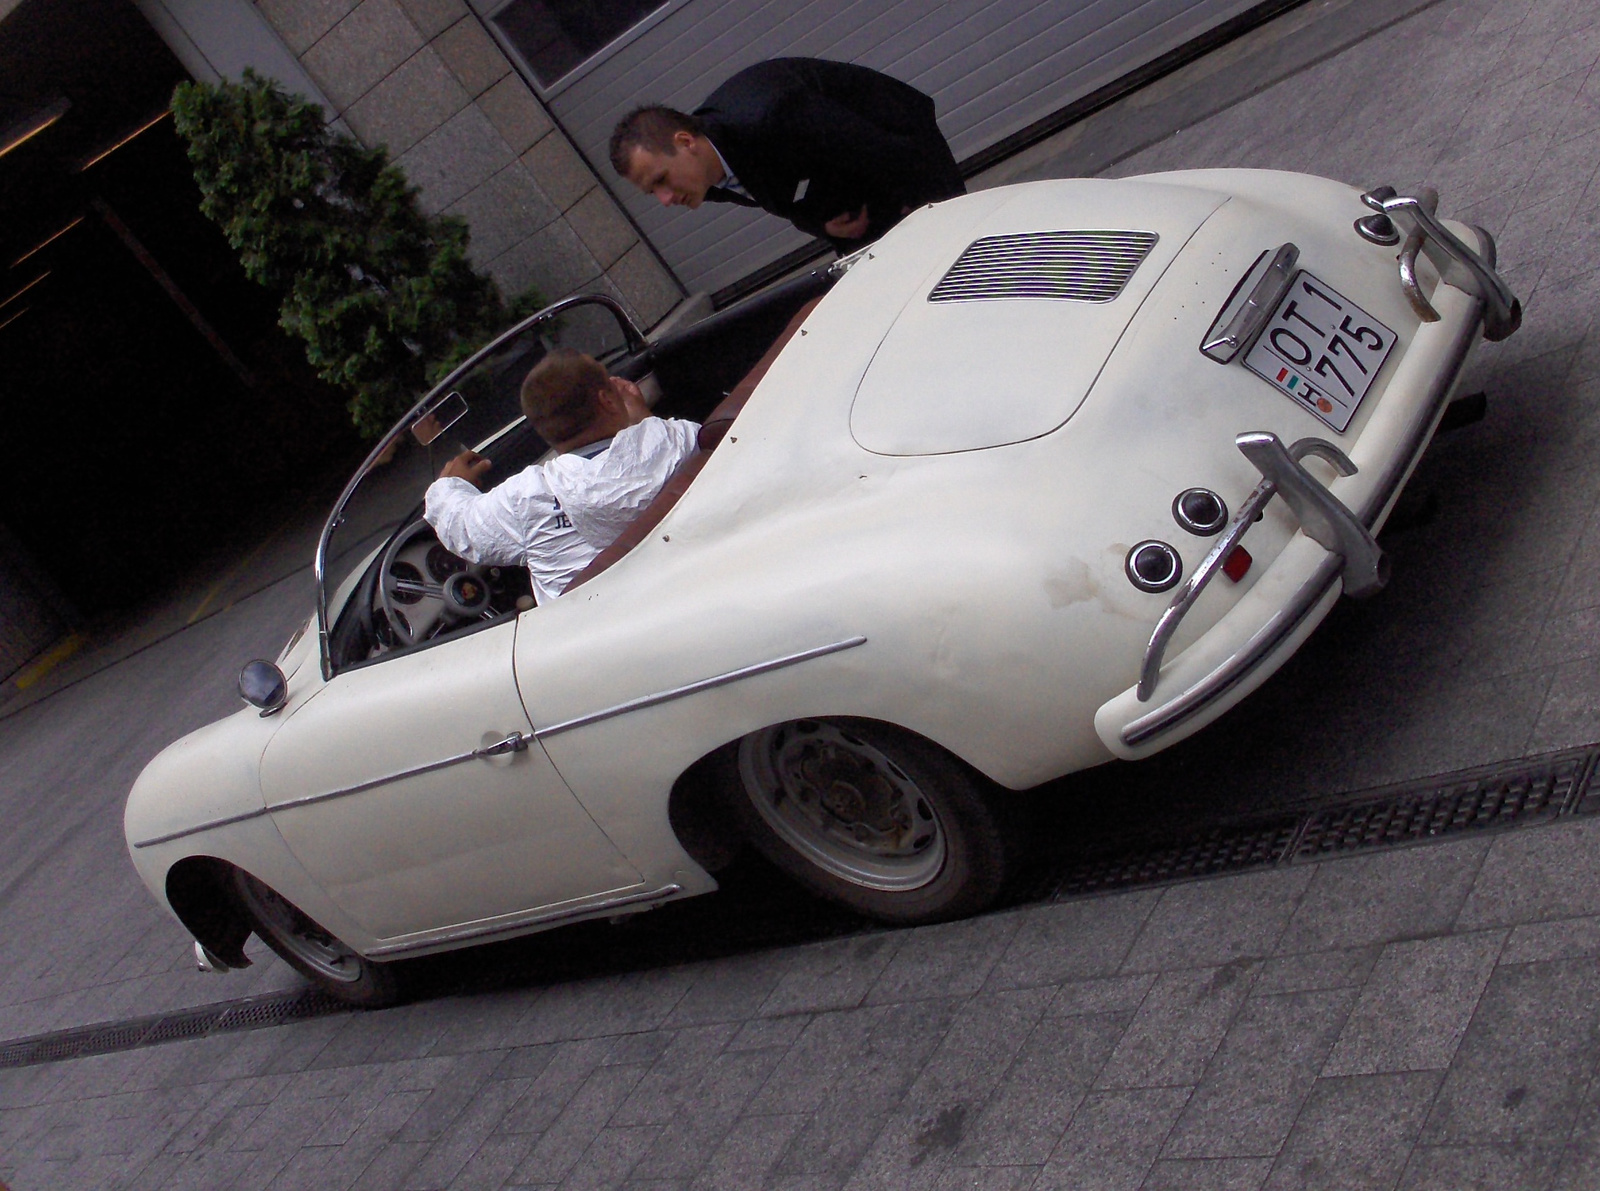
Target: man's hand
{"x": 634, "y": 406}
{"x": 469, "y": 466}
{"x": 848, "y": 226}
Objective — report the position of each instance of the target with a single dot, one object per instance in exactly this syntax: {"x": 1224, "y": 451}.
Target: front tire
{"x": 871, "y": 817}
{"x": 313, "y": 952}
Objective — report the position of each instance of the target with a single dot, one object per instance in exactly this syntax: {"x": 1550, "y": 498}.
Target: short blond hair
{"x": 560, "y": 396}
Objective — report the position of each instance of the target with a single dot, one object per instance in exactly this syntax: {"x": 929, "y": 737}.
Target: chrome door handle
{"x": 515, "y": 743}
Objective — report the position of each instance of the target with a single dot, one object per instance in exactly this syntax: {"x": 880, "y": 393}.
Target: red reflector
{"x": 1237, "y": 564}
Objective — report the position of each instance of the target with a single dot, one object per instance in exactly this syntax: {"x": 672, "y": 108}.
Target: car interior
{"x": 415, "y": 593}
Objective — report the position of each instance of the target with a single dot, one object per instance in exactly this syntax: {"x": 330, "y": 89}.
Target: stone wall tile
{"x": 502, "y": 212}
{"x": 559, "y": 170}
{"x": 472, "y": 54}
{"x": 361, "y": 49}
{"x": 462, "y": 154}
{"x": 413, "y": 101}
{"x": 302, "y": 22}
{"x": 513, "y": 110}
{"x": 553, "y": 260}
{"x": 602, "y": 227}
{"x": 647, "y": 288}
{"x": 433, "y": 17}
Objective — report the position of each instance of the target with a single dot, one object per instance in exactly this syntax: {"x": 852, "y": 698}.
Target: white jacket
{"x": 554, "y": 517}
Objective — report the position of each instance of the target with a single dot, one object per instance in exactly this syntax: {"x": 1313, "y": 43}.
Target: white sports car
{"x": 1053, "y": 474}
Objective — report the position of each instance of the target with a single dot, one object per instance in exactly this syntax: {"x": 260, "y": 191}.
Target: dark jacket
{"x": 811, "y": 139}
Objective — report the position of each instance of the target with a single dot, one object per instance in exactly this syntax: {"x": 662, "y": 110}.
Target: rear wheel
{"x": 870, "y": 816}
{"x": 311, "y": 950}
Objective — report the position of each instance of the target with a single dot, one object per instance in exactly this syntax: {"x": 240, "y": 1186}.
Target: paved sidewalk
{"x": 1422, "y": 1018}
{"x": 1419, "y": 1018}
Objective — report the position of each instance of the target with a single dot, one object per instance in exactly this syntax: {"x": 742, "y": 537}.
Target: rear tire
{"x": 312, "y": 951}
{"x": 869, "y": 816}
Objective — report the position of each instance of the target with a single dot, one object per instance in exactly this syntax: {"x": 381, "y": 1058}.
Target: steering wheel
{"x": 423, "y": 589}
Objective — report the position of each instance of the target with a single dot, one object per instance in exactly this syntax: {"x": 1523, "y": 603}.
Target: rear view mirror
{"x": 440, "y": 414}
{"x": 261, "y": 684}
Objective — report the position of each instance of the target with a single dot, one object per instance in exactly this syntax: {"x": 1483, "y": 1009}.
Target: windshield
{"x": 386, "y": 492}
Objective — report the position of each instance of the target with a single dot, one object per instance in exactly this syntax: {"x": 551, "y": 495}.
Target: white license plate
{"x": 1321, "y": 349}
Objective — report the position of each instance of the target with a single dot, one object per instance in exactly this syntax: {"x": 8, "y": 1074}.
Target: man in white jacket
{"x": 554, "y": 517}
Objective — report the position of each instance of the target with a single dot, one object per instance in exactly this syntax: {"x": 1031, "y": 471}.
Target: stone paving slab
{"x": 1425, "y": 1018}
{"x": 1454, "y": 1056}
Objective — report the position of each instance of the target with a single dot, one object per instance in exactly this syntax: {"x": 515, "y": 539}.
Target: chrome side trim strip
{"x": 516, "y": 742}
{"x": 704, "y": 684}
{"x": 224, "y": 822}
{"x": 516, "y": 923}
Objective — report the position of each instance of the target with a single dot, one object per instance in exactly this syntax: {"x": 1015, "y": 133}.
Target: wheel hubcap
{"x": 302, "y": 936}
{"x": 843, "y": 805}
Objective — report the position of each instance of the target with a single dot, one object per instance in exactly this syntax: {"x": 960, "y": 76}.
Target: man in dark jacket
{"x": 837, "y": 149}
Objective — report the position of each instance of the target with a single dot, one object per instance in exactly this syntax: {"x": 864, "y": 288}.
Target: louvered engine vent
{"x": 1075, "y": 266}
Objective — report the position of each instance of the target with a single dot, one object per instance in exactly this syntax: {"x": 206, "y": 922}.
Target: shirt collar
{"x": 590, "y": 450}
{"x": 729, "y": 180}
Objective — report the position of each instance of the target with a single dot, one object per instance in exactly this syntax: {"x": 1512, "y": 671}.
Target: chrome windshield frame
{"x": 635, "y": 342}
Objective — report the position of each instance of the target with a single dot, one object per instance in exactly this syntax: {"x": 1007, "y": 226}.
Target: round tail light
{"x": 1153, "y": 566}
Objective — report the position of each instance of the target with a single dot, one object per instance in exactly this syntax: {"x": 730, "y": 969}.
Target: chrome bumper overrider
{"x": 1321, "y": 515}
{"x": 1290, "y": 598}
{"x": 1458, "y": 265}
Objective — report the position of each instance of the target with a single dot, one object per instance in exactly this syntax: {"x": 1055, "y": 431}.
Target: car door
{"x": 396, "y": 789}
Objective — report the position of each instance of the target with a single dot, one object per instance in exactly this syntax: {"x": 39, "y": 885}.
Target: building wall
{"x": 424, "y": 78}
{"x": 992, "y": 68}
{"x": 32, "y": 615}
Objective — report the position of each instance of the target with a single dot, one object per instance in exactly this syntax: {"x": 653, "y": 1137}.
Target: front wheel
{"x": 312, "y": 951}
{"x": 870, "y": 816}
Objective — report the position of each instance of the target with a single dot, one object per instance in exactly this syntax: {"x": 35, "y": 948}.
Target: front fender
{"x": 205, "y": 781}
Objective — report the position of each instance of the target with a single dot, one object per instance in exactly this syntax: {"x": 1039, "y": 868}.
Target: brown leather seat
{"x": 712, "y": 432}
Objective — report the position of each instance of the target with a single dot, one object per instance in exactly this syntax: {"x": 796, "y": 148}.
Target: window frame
{"x": 487, "y": 10}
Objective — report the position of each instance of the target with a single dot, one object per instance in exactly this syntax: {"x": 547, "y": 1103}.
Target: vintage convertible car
{"x": 1053, "y": 474}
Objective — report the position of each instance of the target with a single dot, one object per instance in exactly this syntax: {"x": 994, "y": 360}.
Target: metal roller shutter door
{"x": 992, "y": 66}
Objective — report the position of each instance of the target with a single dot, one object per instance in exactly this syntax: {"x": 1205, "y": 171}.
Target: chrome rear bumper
{"x": 1247, "y": 644}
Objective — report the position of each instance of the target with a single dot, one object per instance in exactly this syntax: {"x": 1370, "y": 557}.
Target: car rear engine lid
{"x": 1004, "y": 343}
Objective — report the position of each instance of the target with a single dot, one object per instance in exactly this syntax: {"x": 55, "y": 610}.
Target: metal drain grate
{"x": 1465, "y": 806}
{"x": 1220, "y": 852}
{"x": 1494, "y": 798}
{"x": 250, "y": 1014}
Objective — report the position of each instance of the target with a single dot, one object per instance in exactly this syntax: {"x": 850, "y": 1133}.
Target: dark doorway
{"x": 154, "y": 412}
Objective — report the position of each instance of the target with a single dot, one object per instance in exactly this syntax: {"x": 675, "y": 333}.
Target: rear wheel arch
{"x": 871, "y": 815}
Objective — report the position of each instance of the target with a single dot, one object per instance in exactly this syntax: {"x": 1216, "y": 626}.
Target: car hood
{"x": 970, "y": 272}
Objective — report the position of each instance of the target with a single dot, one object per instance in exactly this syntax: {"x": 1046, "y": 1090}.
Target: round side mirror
{"x": 261, "y": 684}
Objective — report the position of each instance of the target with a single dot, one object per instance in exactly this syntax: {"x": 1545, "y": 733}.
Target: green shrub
{"x": 382, "y": 294}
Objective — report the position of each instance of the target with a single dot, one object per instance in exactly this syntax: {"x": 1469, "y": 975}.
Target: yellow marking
{"x": 63, "y": 650}
{"x": 240, "y": 565}
{"x": 232, "y": 573}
